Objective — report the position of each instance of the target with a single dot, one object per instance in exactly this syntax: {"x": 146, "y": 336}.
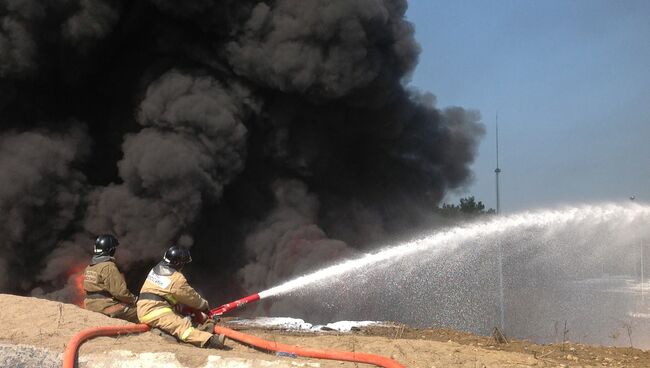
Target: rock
{"x": 28, "y": 356}
{"x": 572, "y": 357}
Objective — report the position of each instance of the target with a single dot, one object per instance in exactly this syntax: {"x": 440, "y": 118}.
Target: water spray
{"x": 448, "y": 239}
{"x": 451, "y": 238}
{"x": 563, "y": 233}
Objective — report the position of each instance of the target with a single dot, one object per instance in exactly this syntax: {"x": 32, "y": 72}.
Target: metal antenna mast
{"x": 501, "y": 298}
{"x": 497, "y": 170}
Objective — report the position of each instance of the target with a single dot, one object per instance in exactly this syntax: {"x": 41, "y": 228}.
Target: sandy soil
{"x": 49, "y": 325}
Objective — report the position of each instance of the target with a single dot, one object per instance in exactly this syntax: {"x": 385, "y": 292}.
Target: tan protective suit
{"x": 106, "y": 290}
{"x": 172, "y": 287}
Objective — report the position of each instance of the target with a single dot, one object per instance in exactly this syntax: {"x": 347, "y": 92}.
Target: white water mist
{"x": 450, "y": 277}
{"x": 451, "y": 238}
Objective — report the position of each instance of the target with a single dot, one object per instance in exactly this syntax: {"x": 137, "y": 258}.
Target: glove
{"x": 207, "y": 307}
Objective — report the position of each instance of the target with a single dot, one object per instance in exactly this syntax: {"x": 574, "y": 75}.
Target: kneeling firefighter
{"x": 166, "y": 288}
{"x": 106, "y": 290}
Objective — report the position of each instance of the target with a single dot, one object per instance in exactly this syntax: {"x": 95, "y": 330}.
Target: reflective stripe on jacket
{"x": 171, "y": 285}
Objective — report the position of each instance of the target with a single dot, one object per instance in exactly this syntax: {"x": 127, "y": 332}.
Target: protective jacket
{"x": 162, "y": 290}
{"x": 106, "y": 290}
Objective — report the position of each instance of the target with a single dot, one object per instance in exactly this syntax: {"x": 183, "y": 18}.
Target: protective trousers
{"x": 122, "y": 311}
{"x": 112, "y": 309}
{"x": 172, "y": 323}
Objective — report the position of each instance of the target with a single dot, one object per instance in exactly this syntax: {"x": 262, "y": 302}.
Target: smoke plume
{"x": 271, "y": 136}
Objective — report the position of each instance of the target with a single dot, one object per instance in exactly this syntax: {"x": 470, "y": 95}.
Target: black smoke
{"x": 271, "y": 136}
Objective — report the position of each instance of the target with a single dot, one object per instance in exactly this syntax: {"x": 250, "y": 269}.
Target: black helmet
{"x": 177, "y": 256}
{"x": 105, "y": 245}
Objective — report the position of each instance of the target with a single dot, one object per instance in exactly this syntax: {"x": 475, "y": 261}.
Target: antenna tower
{"x": 497, "y": 171}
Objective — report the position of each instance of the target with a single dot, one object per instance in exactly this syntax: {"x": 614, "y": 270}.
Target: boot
{"x": 207, "y": 326}
{"x": 216, "y": 342}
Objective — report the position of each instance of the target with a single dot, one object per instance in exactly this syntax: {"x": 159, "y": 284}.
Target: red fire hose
{"x": 70, "y": 354}
{"x": 377, "y": 360}
{"x": 200, "y": 317}
{"x": 234, "y": 305}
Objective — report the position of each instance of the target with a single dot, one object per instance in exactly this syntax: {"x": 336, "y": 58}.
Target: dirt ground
{"x": 49, "y": 325}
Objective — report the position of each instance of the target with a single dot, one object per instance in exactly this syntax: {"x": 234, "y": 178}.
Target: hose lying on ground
{"x": 70, "y": 354}
{"x": 347, "y": 356}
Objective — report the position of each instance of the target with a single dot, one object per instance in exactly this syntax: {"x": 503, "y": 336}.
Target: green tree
{"x": 468, "y": 208}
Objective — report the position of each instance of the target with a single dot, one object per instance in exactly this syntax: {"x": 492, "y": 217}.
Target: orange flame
{"x": 76, "y": 282}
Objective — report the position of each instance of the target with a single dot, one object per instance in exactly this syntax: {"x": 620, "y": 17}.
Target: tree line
{"x": 468, "y": 208}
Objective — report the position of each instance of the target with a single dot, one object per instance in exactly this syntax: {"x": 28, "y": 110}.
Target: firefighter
{"x": 106, "y": 290}
{"x": 165, "y": 288}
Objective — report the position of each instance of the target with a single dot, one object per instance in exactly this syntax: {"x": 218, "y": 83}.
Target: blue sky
{"x": 570, "y": 81}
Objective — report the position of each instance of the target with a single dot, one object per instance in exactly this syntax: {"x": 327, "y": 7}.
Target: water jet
{"x": 553, "y": 264}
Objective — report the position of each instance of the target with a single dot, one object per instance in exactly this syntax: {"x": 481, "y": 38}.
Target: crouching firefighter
{"x": 106, "y": 290}
{"x": 166, "y": 288}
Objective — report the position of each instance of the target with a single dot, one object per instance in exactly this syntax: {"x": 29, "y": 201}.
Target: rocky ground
{"x": 35, "y": 333}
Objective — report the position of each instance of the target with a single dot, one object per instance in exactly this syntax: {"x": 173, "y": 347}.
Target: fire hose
{"x": 290, "y": 350}
{"x": 71, "y": 351}
{"x": 70, "y": 354}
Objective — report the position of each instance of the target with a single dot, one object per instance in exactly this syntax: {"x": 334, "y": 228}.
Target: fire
{"x": 76, "y": 283}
